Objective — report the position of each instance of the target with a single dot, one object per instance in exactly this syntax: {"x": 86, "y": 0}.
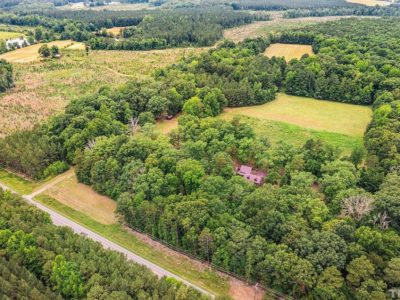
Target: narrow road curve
{"x": 60, "y": 220}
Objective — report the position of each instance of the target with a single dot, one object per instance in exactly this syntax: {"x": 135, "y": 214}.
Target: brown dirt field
{"x": 288, "y": 51}
{"x": 30, "y": 53}
{"x": 84, "y": 199}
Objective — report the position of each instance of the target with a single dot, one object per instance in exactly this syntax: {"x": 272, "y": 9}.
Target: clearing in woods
{"x": 115, "y": 31}
{"x": 30, "y": 53}
{"x": 277, "y": 24}
{"x": 84, "y": 199}
{"x": 44, "y": 87}
{"x": 348, "y": 119}
{"x": 296, "y": 119}
{"x": 288, "y": 51}
{"x": 5, "y": 35}
{"x": 371, "y": 2}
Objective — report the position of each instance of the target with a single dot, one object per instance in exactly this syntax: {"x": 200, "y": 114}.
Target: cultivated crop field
{"x": 30, "y": 53}
{"x": 288, "y": 51}
{"x": 43, "y": 88}
{"x": 314, "y": 114}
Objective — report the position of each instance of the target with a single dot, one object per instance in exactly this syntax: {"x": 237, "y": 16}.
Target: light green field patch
{"x": 319, "y": 115}
{"x": 6, "y": 35}
{"x": 276, "y": 131}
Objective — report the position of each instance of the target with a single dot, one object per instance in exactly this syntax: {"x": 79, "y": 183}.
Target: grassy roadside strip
{"x": 207, "y": 279}
{"x": 17, "y": 183}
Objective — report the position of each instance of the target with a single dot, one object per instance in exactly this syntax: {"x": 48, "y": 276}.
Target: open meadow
{"x": 276, "y": 24}
{"x": 296, "y": 119}
{"x": 84, "y": 199}
{"x": 288, "y": 51}
{"x": 43, "y": 88}
{"x": 5, "y": 35}
{"x": 309, "y": 113}
{"x": 371, "y": 2}
{"x": 31, "y": 53}
{"x": 115, "y": 31}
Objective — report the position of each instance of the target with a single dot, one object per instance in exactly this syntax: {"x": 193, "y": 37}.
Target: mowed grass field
{"x": 370, "y": 2}
{"x": 288, "y": 51}
{"x": 30, "y": 53}
{"x": 277, "y": 24}
{"x": 314, "y": 114}
{"x": 43, "y": 88}
{"x": 84, "y": 199}
{"x": 296, "y": 119}
{"x": 115, "y": 31}
{"x": 5, "y": 35}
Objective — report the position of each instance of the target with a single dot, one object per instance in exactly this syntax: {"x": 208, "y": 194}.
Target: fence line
{"x": 268, "y": 291}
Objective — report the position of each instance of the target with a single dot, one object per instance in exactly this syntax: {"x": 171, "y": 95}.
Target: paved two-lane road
{"x": 60, "y": 220}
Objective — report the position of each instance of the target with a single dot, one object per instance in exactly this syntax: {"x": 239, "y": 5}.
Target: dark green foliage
{"x": 349, "y": 10}
{"x": 286, "y": 4}
{"x": 6, "y": 76}
{"x": 42, "y": 261}
{"x": 150, "y": 29}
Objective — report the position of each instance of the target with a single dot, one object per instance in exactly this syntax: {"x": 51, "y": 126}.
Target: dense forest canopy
{"x": 41, "y": 261}
{"x": 323, "y": 226}
{"x": 145, "y": 29}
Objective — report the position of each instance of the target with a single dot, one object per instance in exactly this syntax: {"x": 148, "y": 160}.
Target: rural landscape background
{"x": 199, "y": 149}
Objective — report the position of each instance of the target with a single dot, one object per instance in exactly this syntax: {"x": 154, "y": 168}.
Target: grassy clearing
{"x": 6, "y": 35}
{"x": 288, "y": 51}
{"x": 371, "y": 2}
{"x": 166, "y": 126}
{"x": 30, "y": 53}
{"x": 115, "y": 31}
{"x": 277, "y": 24}
{"x": 43, "y": 88}
{"x": 112, "y": 6}
{"x": 19, "y": 184}
{"x": 169, "y": 260}
{"x": 294, "y": 135}
{"x": 84, "y": 199}
{"x": 310, "y": 113}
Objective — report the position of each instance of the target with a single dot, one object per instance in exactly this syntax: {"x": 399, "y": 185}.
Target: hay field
{"x": 84, "y": 199}
{"x": 30, "y": 53}
{"x": 277, "y": 24}
{"x": 43, "y": 88}
{"x": 371, "y": 2}
{"x": 288, "y": 51}
{"x": 115, "y": 31}
{"x": 348, "y": 119}
{"x": 5, "y": 35}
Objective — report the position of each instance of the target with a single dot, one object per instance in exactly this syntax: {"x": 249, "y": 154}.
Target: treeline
{"x": 286, "y": 4}
{"x": 392, "y": 11}
{"x": 288, "y": 235}
{"x": 146, "y": 29}
{"x": 228, "y": 76}
{"x": 42, "y": 261}
{"x": 6, "y": 76}
{"x": 357, "y": 61}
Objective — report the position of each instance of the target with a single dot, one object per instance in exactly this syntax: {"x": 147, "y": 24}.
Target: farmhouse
{"x": 248, "y": 173}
